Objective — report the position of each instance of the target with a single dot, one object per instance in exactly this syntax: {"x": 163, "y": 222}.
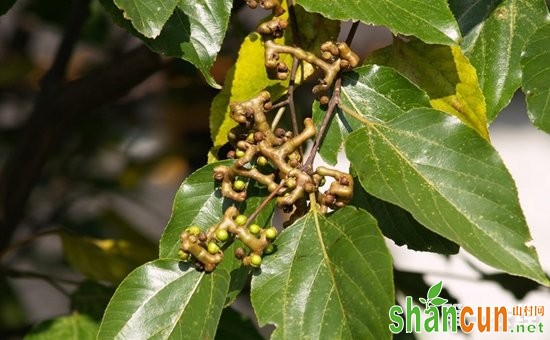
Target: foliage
{"x": 412, "y": 120}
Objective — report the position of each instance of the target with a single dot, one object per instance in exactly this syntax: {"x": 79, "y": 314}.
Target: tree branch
{"x": 55, "y": 113}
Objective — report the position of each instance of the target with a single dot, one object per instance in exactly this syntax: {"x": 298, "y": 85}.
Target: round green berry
{"x": 269, "y": 249}
{"x": 254, "y": 228}
{"x": 222, "y": 235}
{"x": 261, "y": 161}
{"x": 239, "y": 185}
{"x": 270, "y": 233}
{"x": 183, "y": 255}
{"x": 241, "y": 220}
{"x": 239, "y": 153}
{"x": 255, "y": 260}
{"x": 250, "y": 137}
{"x": 213, "y": 248}
{"x": 194, "y": 230}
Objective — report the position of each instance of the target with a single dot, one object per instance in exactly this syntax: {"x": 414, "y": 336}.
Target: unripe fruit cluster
{"x": 204, "y": 248}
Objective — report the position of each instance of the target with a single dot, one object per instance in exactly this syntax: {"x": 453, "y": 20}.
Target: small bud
{"x": 271, "y": 233}
{"x": 222, "y": 235}
{"x": 239, "y": 185}
{"x": 344, "y": 180}
{"x": 269, "y": 249}
{"x": 279, "y": 132}
{"x": 231, "y": 154}
{"x": 184, "y": 256}
{"x": 329, "y": 200}
{"x": 254, "y": 229}
{"x": 261, "y": 161}
{"x": 255, "y": 260}
{"x": 268, "y": 106}
{"x": 241, "y": 220}
{"x": 324, "y": 100}
{"x": 294, "y": 163}
{"x": 213, "y": 248}
{"x": 259, "y": 136}
{"x": 202, "y": 237}
{"x": 250, "y": 137}
{"x": 218, "y": 176}
{"x": 290, "y": 183}
{"x": 239, "y": 153}
{"x": 240, "y": 253}
{"x": 193, "y": 230}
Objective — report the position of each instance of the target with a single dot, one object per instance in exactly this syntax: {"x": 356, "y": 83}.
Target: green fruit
{"x": 254, "y": 228}
{"x": 270, "y": 233}
{"x": 241, "y": 220}
{"x": 239, "y": 153}
{"x": 261, "y": 161}
{"x": 183, "y": 255}
{"x": 213, "y": 248}
{"x": 269, "y": 249}
{"x": 239, "y": 185}
{"x": 222, "y": 235}
{"x": 194, "y": 230}
{"x": 250, "y": 137}
{"x": 255, "y": 260}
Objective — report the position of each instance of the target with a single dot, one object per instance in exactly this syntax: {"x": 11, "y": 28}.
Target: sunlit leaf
{"x": 431, "y": 21}
{"x": 382, "y": 91}
{"x": 494, "y": 48}
{"x": 331, "y": 278}
{"x": 147, "y": 16}
{"x": 248, "y": 76}
{"x": 451, "y": 180}
{"x": 469, "y": 13}
{"x": 72, "y": 327}
{"x": 444, "y": 73}
{"x": 535, "y": 64}
{"x": 194, "y": 32}
{"x": 166, "y": 299}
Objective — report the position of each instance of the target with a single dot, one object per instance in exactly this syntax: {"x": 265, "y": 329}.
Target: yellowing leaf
{"x": 444, "y": 73}
{"x": 246, "y": 79}
{"x": 248, "y": 76}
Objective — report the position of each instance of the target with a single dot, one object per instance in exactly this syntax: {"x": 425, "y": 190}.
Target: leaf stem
{"x": 264, "y": 203}
{"x": 334, "y": 99}
{"x": 354, "y": 114}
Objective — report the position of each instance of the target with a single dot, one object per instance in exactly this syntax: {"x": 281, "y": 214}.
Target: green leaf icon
{"x": 434, "y": 290}
{"x": 439, "y": 301}
{"x": 422, "y": 300}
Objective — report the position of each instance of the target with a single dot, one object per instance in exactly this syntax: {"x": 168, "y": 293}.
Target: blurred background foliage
{"x": 104, "y": 193}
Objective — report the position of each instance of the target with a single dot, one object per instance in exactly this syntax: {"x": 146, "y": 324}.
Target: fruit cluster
{"x": 271, "y": 157}
{"x": 205, "y": 248}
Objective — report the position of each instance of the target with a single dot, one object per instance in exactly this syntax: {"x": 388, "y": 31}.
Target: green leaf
{"x": 208, "y": 20}
{"x": 147, "y": 16}
{"x": 103, "y": 259}
{"x": 166, "y": 299}
{"x": 535, "y": 65}
{"x": 383, "y": 91}
{"x": 91, "y": 298}
{"x": 236, "y": 326}
{"x": 494, "y": 47}
{"x": 72, "y": 327}
{"x": 438, "y": 301}
{"x": 444, "y": 73}
{"x": 431, "y": 21}
{"x": 451, "y": 180}
{"x": 469, "y": 13}
{"x": 199, "y": 202}
{"x": 398, "y": 224}
{"x": 434, "y": 290}
{"x": 422, "y": 300}
{"x": 330, "y": 278}
{"x": 194, "y": 32}
{"x": 5, "y": 6}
